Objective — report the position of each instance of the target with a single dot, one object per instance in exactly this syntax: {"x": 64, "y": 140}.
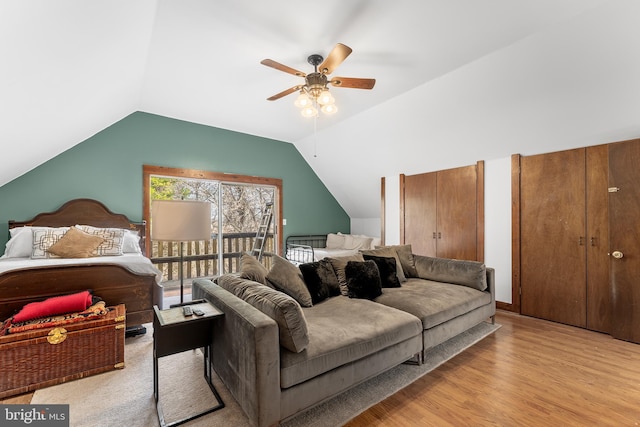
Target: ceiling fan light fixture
{"x": 314, "y": 93}
{"x": 329, "y": 109}
{"x": 325, "y": 98}
{"x": 302, "y": 100}
{"x": 309, "y": 111}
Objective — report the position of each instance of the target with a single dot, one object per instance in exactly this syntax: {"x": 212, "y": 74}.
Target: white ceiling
{"x": 73, "y": 67}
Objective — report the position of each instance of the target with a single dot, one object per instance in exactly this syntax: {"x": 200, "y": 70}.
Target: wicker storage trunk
{"x": 36, "y": 359}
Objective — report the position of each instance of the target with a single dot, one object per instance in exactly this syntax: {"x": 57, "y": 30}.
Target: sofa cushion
{"x": 388, "y": 251}
{"x": 286, "y": 277}
{"x": 343, "y": 330}
{"x": 433, "y": 302}
{"x": 387, "y": 268}
{"x": 320, "y": 279}
{"x": 339, "y": 263}
{"x": 292, "y": 326}
{"x": 466, "y": 273}
{"x": 252, "y": 269}
{"x": 363, "y": 279}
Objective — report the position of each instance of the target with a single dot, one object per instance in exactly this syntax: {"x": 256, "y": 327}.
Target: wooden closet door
{"x": 598, "y": 283}
{"x": 624, "y": 234}
{"x": 553, "y": 267}
{"x": 456, "y": 218}
{"x": 420, "y": 213}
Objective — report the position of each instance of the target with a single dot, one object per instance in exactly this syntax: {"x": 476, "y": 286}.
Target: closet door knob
{"x": 617, "y": 254}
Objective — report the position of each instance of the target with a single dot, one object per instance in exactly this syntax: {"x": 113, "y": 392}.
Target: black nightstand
{"x": 175, "y": 333}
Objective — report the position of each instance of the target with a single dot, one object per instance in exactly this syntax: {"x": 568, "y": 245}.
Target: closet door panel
{"x": 456, "y": 218}
{"x": 624, "y": 231}
{"x": 420, "y": 213}
{"x": 598, "y": 286}
{"x": 553, "y": 251}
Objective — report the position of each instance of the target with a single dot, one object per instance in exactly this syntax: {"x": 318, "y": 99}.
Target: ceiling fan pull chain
{"x": 315, "y": 136}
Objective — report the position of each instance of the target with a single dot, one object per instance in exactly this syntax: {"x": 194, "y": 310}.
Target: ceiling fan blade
{"x": 353, "y": 82}
{"x": 335, "y": 58}
{"x": 284, "y": 93}
{"x": 278, "y": 66}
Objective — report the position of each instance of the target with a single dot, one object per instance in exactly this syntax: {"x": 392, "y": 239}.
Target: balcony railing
{"x": 201, "y": 258}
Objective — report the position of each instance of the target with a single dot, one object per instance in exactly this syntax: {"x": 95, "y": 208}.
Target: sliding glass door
{"x": 237, "y": 207}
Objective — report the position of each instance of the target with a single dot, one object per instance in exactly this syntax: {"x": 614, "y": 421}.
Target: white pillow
{"x": 375, "y": 241}
{"x": 20, "y": 244}
{"x": 335, "y": 241}
{"x": 131, "y": 244}
{"x": 357, "y": 242}
{"x": 16, "y": 230}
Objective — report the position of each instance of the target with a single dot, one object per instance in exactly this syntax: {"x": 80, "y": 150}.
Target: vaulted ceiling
{"x": 71, "y": 68}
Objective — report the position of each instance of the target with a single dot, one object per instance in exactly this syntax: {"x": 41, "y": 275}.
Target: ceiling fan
{"x": 314, "y": 91}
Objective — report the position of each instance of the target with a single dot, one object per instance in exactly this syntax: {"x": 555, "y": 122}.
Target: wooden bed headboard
{"x": 85, "y": 212}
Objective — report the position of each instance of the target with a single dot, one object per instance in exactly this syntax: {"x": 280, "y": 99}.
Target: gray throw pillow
{"x": 467, "y": 273}
{"x": 287, "y": 278}
{"x": 287, "y": 313}
{"x": 339, "y": 264}
{"x": 252, "y": 269}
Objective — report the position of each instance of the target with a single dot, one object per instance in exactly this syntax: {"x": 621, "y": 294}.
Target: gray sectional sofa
{"x": 293, "y": 337}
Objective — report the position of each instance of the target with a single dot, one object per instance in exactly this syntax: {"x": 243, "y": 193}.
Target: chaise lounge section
{"x": 279, "y": 357}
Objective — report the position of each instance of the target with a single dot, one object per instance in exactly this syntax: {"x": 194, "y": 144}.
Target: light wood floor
{"x": 529, "y": 373}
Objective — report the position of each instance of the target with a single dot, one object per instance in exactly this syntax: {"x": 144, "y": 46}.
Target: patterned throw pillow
{"x": 76, "y": 244}
{"x": 43, "y": 239}
{"x": 113, "y": 239}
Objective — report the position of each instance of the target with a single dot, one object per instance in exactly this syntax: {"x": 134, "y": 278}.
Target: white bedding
{"x": 134, "y": 262}
{"x": 319, "y": 253}
{"x": 301, "y": 255}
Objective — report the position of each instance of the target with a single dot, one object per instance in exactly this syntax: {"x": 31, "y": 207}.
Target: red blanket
{"x": 95, "y": 311}
{"x": 55, "y": 305}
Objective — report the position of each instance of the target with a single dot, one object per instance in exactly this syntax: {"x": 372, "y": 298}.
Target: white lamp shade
{"x": 180, "y": 220}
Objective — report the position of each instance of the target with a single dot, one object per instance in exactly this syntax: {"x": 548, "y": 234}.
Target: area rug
{"x": 125, "y": 397}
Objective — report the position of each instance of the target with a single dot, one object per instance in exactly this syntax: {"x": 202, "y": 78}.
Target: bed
{"x": 306, "y": 248}
{"x": 129, "y": 279}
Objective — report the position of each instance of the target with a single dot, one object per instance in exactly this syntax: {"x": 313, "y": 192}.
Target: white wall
{"x": 366, "y": 226}
{"x": 392, "y": 210}
{"x": 497, "y": 224}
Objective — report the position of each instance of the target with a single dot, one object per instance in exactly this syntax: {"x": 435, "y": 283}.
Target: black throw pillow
{"x": 363, "y": 279}
{"x": 321, "y": 280}
{"x": 387, "y": 268}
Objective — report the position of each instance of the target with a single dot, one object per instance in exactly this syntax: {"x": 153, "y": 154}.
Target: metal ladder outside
{"x": 263, "y": 229}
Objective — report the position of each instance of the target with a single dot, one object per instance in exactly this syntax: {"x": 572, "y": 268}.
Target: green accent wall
{"x": 108, "y": 167}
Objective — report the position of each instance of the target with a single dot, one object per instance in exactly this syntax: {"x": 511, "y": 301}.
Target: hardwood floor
{"x": 531, "y": 372}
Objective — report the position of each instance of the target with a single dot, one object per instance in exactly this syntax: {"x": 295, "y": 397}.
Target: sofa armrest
{"x": 491, "y": 288}
{"x": 246, "y": 353}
